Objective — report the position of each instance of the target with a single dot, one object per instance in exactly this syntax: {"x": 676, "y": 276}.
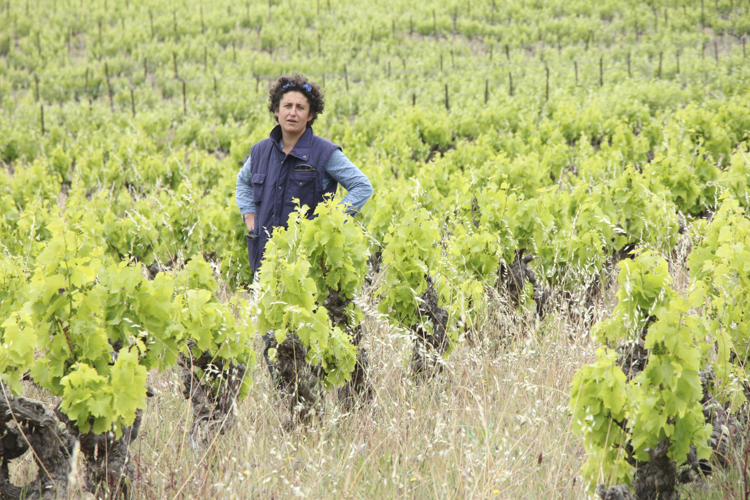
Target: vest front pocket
{"x": 259, "y": 182}
{"x": 301, "y": 185}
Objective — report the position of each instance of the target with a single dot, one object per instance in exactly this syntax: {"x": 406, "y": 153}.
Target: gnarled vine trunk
{"x": 429, "y": 348}
{"x": 513, "y": 277}
{"x": 295, "y": 378}
{"x": 214, "y": 408}
{"x": 109, "y": 470}
{"x": 358, "y": 388}
{"x": 26, "y": 424}
{"x": 658, "y": 478}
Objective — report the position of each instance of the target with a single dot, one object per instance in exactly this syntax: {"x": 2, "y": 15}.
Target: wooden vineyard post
{"x": 36, "y": 86}
{"x": 510, "y": 83}
{"x": 507, "y": 52}
{"x": 184, "y": 98}
{"x": 677, "y": 56}
{"x": 441, "y": 62}
{"x": 145, "y": 68}
{"x": 661, "y": 57}
{"x": 205, "y": 58}
{"x": 486, "y": 91}
{"x": 174, "y": 62}
{"x": 630, "y": 73}
{"x": 601, "y": 71}
{"x": 447, "y": 104}
{"x": 703, "y": 15}
{"x": 39, "y": 45}
{"x": 546, "y": 88}
{"x": 257, "y": 84}
{"x": 298, "y": 45}
{"x": 109, "y": 88}
{"x": 389, "y": 70}
{"x": 216, "y": 88}
{"x": 575, "y": 67}
{"x": 491, "y": 47}
{"x": 100, "y": 33}
{"x": 414, "y": 99}
{"x": 41, "y": 116}
{"x": 346, "y": 75}
{"x": 132, "y": 102}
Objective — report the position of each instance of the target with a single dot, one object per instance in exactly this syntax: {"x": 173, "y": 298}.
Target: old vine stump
{"x": 657, "y": 478}
{"x": 358, "y": 389}
{"x": 109, "y": 471}
{"x": 213, "y": 398}
{"x": 27, "y": 424}
{"x": 429, "y": 348}
{"x": 296, "y": 379}
{"x": 513, "y": 277}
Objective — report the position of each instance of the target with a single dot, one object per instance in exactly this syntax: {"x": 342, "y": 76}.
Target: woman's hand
{"x": 250, "y": 222}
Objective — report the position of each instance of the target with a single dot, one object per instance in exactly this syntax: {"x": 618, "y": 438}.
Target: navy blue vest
{"x": 279, "y": 178}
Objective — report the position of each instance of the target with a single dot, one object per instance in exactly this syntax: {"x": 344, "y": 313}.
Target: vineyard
{"x": 547, "y": 296}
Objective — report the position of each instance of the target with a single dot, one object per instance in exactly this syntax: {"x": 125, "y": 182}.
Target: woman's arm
{"x": 244, "y": 195}
{"x": 358, "y": 187}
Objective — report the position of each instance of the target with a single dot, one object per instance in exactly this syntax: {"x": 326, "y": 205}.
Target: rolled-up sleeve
{"x": 358, "y": 187}
{"x": 244, "y": 194}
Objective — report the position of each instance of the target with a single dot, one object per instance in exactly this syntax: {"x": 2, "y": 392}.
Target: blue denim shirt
{"x": 339, "y": 168}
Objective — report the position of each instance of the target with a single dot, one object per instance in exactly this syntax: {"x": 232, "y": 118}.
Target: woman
{"x": 293, "y": 163}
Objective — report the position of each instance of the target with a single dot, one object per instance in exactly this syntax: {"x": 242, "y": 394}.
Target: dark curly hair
{"x": 297, "y": 83}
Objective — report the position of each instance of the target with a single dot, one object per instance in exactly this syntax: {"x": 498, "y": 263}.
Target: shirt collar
{"x": 302, "y": 148}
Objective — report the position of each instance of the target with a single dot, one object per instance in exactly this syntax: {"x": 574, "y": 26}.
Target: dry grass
{"x": 493, "y": 424}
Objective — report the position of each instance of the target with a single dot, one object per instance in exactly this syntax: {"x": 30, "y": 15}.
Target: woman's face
{"x": 293, "y": 113}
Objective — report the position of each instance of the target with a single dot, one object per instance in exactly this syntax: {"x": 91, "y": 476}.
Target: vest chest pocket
{"x": 259, "y": 184}
{"x": 301, "y": 185}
